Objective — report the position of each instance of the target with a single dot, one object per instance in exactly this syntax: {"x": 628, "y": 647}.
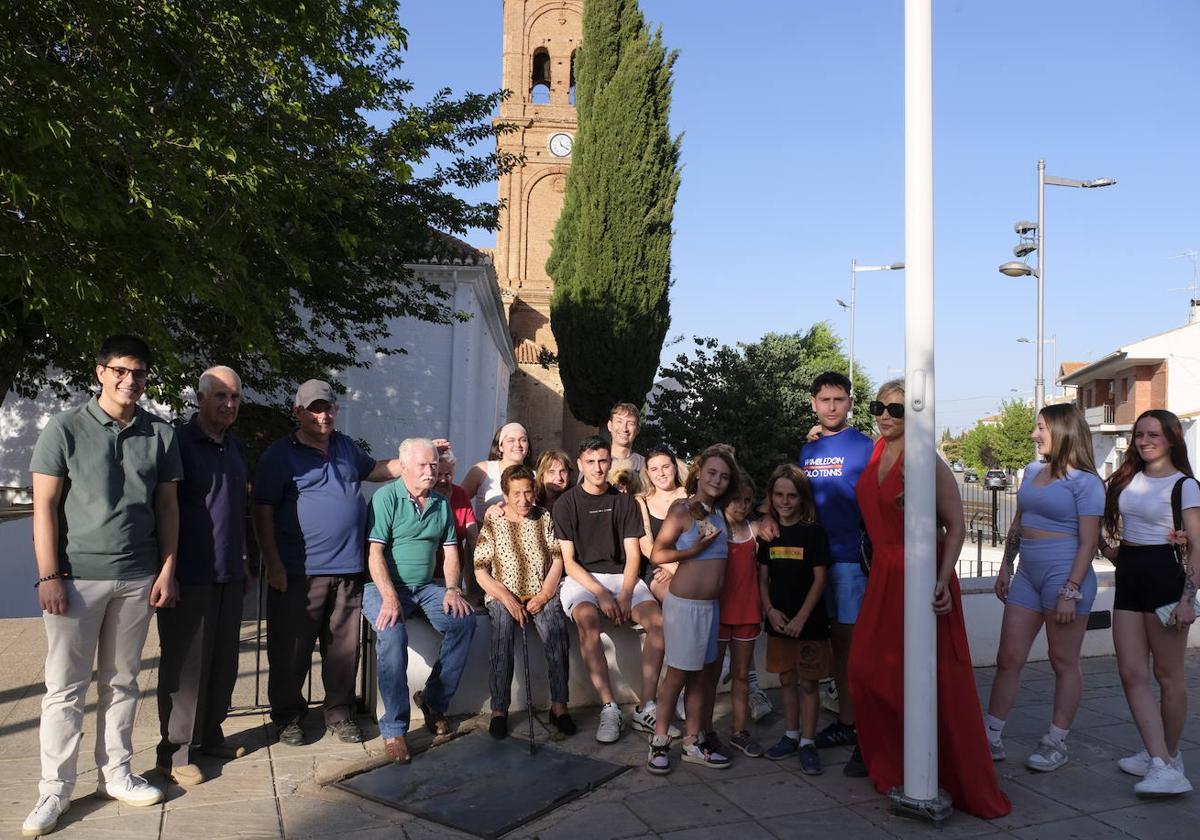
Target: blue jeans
{"x": 391, "y": 649}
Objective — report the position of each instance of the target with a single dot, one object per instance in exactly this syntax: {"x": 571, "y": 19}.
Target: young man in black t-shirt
{"x": 598, "y": 529}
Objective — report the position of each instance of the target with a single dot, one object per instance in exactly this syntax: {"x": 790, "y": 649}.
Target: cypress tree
{"x": 611, "y": 252}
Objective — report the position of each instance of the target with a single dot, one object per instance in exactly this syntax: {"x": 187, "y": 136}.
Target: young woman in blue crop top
{"x": 1151, "y": 577}
{"x": 1055, "y": 531}
{"x": 694, "y": 536}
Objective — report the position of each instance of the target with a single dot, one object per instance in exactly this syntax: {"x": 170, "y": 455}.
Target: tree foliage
{"x": 753, "y": 396}
{"x": 611, "y": 255}
{"x": 1005, "y": 445}
{"x": 206, "y": 174}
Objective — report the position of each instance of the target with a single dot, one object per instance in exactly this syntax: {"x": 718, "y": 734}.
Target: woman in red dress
{"x": 965, "y": 768}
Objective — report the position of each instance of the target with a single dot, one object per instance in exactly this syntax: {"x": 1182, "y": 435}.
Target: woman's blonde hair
{"x": 648, "y": 488}
{"x": 892, "y": 385}
{"x": 544, "y": 462}
{"x": 1070, "y": 440}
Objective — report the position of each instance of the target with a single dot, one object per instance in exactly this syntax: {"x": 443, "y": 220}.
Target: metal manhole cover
{"x": 483, "y": 786}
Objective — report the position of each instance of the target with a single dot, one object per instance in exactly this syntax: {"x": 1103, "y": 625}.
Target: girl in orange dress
{"x": 965, "y": 769}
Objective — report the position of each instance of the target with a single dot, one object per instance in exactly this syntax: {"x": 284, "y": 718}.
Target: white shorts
{"x": 690, "y": 632}
{"x": 574, "y": 593}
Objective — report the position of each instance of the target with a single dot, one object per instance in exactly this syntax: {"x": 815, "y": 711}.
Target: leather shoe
{"x": 397, "y": 750}
{"x": 184, "y": 774}
{"x": 435, "y": 721}
{"x": 225, "y": 751}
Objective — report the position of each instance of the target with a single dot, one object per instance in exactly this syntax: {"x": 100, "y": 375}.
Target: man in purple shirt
{"x": 311, "y": 526}
{"x": 199, "y": 638}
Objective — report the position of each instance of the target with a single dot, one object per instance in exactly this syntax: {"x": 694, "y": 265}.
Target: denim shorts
{"x": 845, "y": 588}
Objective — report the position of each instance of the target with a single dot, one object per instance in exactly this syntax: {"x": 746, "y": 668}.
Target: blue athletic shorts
{"x": 1044, "y": 567}
{"x": 845, "y": 587}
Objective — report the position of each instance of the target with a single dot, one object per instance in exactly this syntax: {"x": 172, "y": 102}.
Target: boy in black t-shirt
{"x": 792, "y": 574}
{"x": 598, "y": 529}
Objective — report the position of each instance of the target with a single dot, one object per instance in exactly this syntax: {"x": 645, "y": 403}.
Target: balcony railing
{"x": 1099, "y": 415}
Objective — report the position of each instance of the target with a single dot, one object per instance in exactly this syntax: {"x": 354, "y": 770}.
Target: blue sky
{"x": 793, "y": 154}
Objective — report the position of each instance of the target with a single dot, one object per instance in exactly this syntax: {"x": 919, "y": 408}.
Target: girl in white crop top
{"x": 1150, "y": 576}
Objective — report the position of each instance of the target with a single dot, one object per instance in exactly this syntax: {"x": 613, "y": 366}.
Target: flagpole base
{"x": 936, "y": 810}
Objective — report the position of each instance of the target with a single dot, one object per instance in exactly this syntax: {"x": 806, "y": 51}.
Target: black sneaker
{"x": 855, "y": 768}
{"x": 347, "y": 731}
{"x": 292, "y": 734}
{"x": 837, "y": 734}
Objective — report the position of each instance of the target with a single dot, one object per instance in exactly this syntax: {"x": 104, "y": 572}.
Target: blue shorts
{"x": 845, "y": 587}
{"x": 1044, "y": 568}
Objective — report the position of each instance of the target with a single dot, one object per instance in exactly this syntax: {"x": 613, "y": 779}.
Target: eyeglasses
{"x": 140, "y": 375}
{"x": 877, "y": 408}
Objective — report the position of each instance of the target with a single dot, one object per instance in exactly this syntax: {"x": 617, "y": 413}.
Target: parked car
{"x": 957, "y": 466}
{"x": 995, "y": 480}
{"x": 970, "y": 476}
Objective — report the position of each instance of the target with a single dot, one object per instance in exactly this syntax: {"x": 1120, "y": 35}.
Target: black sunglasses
{"x": 895, "y": 409}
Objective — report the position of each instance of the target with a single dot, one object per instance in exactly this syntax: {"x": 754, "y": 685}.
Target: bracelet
{"x": 1070, "y": 592}
{"x": 457, "y": 590}
{"x": 54, "y": 576}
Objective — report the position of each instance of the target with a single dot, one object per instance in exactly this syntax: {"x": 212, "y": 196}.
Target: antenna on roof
{"x": 1194, "y": 288}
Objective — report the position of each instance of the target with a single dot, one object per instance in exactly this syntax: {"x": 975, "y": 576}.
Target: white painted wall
{"x": 452, "y": 382}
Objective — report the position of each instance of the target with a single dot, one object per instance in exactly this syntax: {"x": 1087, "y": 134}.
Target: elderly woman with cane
{"x": 518, "y": 564}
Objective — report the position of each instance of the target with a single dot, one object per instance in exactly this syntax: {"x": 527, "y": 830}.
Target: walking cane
{"x": 528, "y": 687}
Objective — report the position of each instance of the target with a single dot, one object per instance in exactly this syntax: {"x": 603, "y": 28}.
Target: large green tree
{"x": 611, "y": 257}
{"x": 236, "y": 181}
{"x": 1004, "y": 444}
{"x": 754, "y": 396}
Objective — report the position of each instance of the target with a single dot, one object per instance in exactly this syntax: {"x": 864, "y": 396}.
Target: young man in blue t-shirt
{"x": 833, "y": 461}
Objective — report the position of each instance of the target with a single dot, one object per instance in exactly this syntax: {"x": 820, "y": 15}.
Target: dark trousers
{"x": 551, "y": 625}
{"x": 318, "y": 607}
{"x": 198, "y": 668}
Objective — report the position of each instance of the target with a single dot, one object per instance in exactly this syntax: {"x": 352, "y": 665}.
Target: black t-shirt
{"x": 790, "y": 559}
{"x": 597, "y": 526}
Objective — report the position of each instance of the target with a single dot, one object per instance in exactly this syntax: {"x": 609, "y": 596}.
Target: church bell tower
{"x": 541, "y": 38}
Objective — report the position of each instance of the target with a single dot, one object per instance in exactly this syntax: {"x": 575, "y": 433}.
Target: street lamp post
{"x": 1020, "y": 269}
{"x": 854, "y": 269}
{"x": 1053, "y": 342}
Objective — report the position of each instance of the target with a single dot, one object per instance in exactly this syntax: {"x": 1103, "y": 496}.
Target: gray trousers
{"x": 105, "y": 623}
{"x": 199, "y": 639}
{"x": 320, "y": 607}
{"x": 551, "y": 626}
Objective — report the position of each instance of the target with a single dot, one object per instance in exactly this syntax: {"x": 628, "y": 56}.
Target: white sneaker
{"x": 611, "y": 723}
{"x": 1139, "y": 763}
{"x": 645, "y": 717}
{"x": 760, "y": 705}
{"x": 44, "y": 816}
{"x": 1162, "y": 780}
{"x": 131, "y": 790}
{"x": 1049, "y": 755}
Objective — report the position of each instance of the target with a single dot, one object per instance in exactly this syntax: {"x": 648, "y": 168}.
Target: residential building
{"x": 1162, "y": 371}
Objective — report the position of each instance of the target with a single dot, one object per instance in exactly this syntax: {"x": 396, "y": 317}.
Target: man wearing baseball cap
{"x": 310, "y": 521}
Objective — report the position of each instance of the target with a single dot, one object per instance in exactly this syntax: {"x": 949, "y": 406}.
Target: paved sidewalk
{"x": 278, "y": 791}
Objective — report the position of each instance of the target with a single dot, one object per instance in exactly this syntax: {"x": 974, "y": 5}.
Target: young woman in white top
{"x": 510, "y": 447}
{"x": 1149, "y": 577}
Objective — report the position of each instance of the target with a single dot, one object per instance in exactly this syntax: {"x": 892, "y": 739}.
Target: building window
{"x": 539, "y": 87}
{"x": 571, "y": 90}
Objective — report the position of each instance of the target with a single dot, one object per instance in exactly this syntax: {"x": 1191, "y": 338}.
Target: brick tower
{"x": 540, "y": 40}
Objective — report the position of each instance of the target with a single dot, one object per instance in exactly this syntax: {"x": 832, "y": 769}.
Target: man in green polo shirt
{"x": 105, "y": 530}
{"x": 406, "y": 525}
